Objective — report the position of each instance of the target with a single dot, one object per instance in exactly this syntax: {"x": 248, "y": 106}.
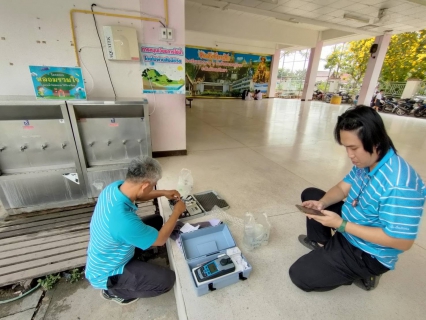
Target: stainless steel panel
{"x": 37, "y": 148}
{"x": 108, "y": 135}
{"x": 38, "y": 144}
{"x": 98, "y": 180}
{"x": 26, "y": 110}
{"x": 36, "y": 191}
{"x": 113, "y": 140}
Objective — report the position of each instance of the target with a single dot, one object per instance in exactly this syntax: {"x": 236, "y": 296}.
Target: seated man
{"x": 116, "y": 230}
{"x": 378, "y": 220}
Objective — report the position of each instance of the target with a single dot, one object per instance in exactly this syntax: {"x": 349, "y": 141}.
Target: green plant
{"x": 49, "y": 281}
{"x": 74, "y": 276}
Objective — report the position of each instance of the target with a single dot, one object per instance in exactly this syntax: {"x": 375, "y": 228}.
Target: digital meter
{"x": 214, "y": 269}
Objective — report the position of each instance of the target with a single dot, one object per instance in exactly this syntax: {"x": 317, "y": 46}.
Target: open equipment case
{"x": 198, "y": 204}
{"x": 207, "y": 244}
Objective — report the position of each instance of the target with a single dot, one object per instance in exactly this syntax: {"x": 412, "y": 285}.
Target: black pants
{"x": 337, "y": 263}
{"x": 142, "y": 279}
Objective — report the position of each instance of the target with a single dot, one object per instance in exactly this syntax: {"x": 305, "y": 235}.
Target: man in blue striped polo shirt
{"x": 116, "y": 230}
{"x": 375, "y": 210}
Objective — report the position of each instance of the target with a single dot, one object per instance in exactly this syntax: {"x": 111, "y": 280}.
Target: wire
{"x": 103, "y": 53}
{"x": 140, "y": 12}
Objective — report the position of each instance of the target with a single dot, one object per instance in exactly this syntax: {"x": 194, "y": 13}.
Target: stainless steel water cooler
{"x": 108, "y": 135}
{"x": 39, "y": 164}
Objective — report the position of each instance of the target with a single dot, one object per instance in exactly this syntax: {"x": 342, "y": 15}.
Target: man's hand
{"x": 172, "y": 194}
{"x": 179, "y": 207}
{"x": 330, "y": 219}
{"x": 318, "y": 205}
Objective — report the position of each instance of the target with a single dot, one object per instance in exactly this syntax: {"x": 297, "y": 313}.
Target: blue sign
{"x": 61, "y": 83}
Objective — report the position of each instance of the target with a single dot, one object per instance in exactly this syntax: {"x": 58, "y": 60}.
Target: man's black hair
{"x": 369, "y": 128}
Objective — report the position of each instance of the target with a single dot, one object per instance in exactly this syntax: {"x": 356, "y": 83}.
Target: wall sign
{"x": 211, "y": 72}
{"x": 61, "y": 83}
{"x": 163, "y": 69}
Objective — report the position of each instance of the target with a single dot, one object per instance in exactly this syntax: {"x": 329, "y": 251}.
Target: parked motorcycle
{"x": 390, "y": 105}
{"x": 420, "y": 111}
{"x": 318, "y": 95}
{"x": 406, "y": 106}
{"x": 346, "y": 97}
{"x": 328, "y": 96}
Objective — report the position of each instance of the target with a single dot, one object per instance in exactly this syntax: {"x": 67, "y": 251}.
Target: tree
{"x": 287, "y": 73}
{"x": 401, "y": 59}
{"x": 405, "y": 58}
{"x": 357, "y": 56}
{"x": 337, "y": 60}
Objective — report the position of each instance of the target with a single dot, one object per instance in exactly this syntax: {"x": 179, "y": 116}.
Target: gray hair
{"x": 144, "y": 169}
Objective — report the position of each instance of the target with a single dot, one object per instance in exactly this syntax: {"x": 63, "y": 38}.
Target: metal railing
{"x": 394, "y": 89}
{"x": 422, "y": 89}
{"x": 290, "y": 87}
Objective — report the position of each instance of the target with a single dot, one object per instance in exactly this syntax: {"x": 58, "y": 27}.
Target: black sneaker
{"x": 368, "y": 284}
{"x": 124, "y": 302}
{"x": 312, "y": 245}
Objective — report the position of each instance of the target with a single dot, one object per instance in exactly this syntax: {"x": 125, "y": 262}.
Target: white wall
{"x": 24, "y": 22}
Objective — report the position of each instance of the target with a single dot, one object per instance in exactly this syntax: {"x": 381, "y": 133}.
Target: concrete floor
{"x": 79, "y": 301}
{"x": 260, "y": 155}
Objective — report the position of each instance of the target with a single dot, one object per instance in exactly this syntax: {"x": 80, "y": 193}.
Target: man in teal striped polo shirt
{"x": 375, "y": 210}
{"x": 116, "y": 231}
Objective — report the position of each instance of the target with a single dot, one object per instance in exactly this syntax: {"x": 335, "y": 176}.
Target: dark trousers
{"x": 142, "y": 279}
{"x": 337, "y": 263}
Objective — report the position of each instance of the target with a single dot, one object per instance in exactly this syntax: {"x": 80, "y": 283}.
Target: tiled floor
{"x": 260, "y": 155}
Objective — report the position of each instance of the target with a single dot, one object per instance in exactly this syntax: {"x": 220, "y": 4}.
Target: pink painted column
{"x": 311, "y": 72}
{"x": 168, "y": 122}
{"x": 273, "y": 74}
{"x": 374, "y": 67}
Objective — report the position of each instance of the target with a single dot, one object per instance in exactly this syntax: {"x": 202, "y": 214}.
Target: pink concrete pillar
{"x": 274, "y": 74}
{"x": 374, "y": 67}
{"x": 168, "y": 121}
{"x": 311, "y": 73}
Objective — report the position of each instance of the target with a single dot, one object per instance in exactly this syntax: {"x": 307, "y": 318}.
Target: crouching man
{"x": 116, "y": 230}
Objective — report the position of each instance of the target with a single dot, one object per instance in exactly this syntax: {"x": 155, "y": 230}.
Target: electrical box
{"x": 121, "y": 43}
{"x": 163, "y": 34}
{"x": 166, "y": 34}
{"x": 170, "y": 34}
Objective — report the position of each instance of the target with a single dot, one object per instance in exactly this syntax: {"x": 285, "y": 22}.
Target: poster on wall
{"x": 211, "y": 72}
{"x": 61, "y": 83}
{"x": 163, "y": 69}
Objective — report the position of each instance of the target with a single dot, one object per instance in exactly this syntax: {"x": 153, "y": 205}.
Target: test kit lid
{"x": 207, "y": 241}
